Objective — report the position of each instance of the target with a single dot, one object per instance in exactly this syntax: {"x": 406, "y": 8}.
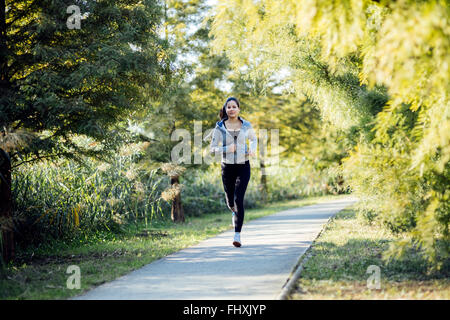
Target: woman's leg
{"x": 242, "y": 180}
{"x": 229, "y": 175}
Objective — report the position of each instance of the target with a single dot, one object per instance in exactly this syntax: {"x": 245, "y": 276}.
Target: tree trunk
{"x": 177, "y": 213}
{"x": 6, "y": 223}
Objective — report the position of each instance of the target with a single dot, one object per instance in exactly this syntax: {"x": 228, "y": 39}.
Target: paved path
{"x": 214, "y": 269}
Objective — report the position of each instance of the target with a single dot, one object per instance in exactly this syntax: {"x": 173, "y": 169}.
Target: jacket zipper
{"x": 235, "y": 149}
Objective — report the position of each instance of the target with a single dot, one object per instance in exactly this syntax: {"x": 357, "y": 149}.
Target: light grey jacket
{"x": 222, "y": 140}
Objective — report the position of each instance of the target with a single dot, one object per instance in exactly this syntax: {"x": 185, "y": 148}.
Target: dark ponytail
{"x": 223, "y": 112}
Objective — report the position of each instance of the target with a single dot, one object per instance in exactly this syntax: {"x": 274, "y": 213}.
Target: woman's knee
{"x": 239, "y": 200}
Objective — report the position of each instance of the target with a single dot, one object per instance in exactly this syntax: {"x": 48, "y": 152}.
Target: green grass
{"x": 340, "y": 256}
{"x": 41, "y": 273}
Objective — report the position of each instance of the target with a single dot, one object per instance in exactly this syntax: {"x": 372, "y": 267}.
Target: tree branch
{"x": 39, "y": 158}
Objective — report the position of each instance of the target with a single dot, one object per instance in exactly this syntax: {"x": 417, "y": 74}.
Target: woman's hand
{"x": 251, "y": 154}
{"x": 232, "y": 148}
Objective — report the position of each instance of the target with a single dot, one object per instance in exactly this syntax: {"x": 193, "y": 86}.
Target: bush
{"x": 65, "y": 200}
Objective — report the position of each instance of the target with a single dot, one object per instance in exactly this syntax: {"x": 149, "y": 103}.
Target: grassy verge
{"x": 339, "y": 261}
{"x": 41, "y": 274}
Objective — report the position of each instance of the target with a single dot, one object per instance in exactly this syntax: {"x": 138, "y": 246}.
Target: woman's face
{"x": 232, "y": 109}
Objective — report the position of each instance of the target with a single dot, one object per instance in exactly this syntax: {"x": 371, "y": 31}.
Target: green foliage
{"x": 59, "y": 82}
{"x": 268, "y": 43}
{"x": 404, "y": 197}
{"x": 66, "y": 200}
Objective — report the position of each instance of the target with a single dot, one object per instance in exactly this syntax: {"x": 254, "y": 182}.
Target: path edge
{"x": 298, "y": 268}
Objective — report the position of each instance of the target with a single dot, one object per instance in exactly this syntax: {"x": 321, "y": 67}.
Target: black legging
{"x": 235, "y": 178}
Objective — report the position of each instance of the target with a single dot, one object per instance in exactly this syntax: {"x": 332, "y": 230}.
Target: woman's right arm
{"x": 214, "y": 147}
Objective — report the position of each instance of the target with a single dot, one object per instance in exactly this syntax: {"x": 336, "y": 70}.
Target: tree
{"x": 179, "y": 106}
{"x": 57, "y": 83}
{"x": 6, "y": 228}
{"x": 173, "y": 193}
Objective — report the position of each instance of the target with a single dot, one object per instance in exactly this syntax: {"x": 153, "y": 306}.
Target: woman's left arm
{"x": 253, "y": 141}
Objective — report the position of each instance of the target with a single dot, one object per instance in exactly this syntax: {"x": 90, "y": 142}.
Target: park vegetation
{"x": 358, "y": 91}
{"x": 378, "y": 71}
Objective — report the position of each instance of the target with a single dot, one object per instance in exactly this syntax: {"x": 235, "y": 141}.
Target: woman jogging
{"x": 232, "y": 132}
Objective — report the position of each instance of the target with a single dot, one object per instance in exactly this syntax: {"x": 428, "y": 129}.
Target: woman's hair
{"x": 223, "y": 112}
